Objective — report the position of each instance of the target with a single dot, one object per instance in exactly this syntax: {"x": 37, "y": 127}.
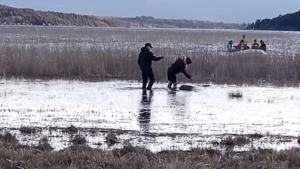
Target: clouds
{"x": 232, "y": 11}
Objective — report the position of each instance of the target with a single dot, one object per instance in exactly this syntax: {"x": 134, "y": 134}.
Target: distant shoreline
{"x": 25, "y": 16}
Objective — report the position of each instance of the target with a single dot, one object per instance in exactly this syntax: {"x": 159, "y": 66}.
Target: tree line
{"x": 149, "y": 21}
{"x": 288, "y": 22}
{"x": 24, "y": 16}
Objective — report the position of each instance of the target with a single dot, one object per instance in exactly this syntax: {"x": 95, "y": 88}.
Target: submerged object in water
{"x": 186, "y": 87}
{"x": 206, "y": 85}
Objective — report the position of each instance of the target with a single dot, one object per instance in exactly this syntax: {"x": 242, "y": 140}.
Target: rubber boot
{"x": 174, "y": 86}
{"x": 170, "y": 85}
{"x": 144, "y": 86}
{"x": 150, "y": 86}
{"x": 144, "y": 93}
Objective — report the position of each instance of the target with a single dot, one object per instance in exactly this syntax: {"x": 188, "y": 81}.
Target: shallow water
{"x": 159, "y": 119}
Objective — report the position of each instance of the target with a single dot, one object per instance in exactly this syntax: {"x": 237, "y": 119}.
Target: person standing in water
{"x": 145, "y": 62}
{"x": 179, "y": 66}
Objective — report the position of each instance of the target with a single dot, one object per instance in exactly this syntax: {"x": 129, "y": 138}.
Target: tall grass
{"x": 13, "y": 155}
{"x": 113, "y": 53}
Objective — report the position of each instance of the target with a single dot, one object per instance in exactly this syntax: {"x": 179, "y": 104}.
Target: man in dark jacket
{"x": 179, "y": 66}
{"x": 145, "y": 61}
{"x": 263, "y": 46}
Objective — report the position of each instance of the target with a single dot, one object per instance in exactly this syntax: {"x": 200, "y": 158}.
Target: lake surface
{"x": 159, "y": 119}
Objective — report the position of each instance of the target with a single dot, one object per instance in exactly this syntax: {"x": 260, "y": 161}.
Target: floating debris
{"x": 111, "y": 139}
{"x": 236, "y": 94}
{"x": 27, "y": 130}
{"x": 78, "y": 139}
{"x": 186, "y": 87}
{"x": 72, "y": 129}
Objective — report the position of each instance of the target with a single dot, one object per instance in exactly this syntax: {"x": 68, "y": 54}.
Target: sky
{"x": 228, "y": 11}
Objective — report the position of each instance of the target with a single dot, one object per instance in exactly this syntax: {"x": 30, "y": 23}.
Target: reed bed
{"x": 13, "y": 155}
{"x": 113, "y": 52}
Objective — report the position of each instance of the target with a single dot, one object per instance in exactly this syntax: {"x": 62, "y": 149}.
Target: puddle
{"x": 158, "y": 120}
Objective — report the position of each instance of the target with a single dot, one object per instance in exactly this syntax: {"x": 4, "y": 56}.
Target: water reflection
{"x": 178, "y": 102}
{"x": 145, "y": 111}
{"x": 201, "y": 117}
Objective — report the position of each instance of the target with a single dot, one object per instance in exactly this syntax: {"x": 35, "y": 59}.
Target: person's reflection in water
{"x": 172, "y": 98}
{"x": 145, "y": 111}
{"x": 178, "y": 103}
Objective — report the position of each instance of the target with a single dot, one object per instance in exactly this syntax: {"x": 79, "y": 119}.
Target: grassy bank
{"x": 79, "y": 155}
{"x": 113, "y": 53}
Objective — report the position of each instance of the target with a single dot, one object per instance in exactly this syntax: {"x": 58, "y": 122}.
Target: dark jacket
{"x": 145, "y": 59}
{"x": 263, "y": 47}
{"x": 178, "y": 67}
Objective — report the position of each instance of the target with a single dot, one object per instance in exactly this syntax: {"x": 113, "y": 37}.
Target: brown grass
{"x": 112, "y": 53}
{"x": 13, "y": 155}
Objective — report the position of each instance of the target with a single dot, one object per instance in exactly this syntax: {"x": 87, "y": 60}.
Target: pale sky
{"x": 229, "y": 11}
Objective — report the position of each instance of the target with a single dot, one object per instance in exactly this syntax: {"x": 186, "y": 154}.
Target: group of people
{"x": 145, "y": 62}
{"x": 179, "y": 66}
{"x": 243, "y": 45}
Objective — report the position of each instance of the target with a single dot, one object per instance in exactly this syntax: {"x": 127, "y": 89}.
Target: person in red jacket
{"x": 239, "y": 46}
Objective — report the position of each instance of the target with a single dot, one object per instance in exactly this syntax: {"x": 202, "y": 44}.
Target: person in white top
{"x": 245, "y": 46}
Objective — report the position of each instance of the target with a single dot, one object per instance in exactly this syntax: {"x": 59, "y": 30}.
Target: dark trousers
{"x": 146, "y": 75}
{"x": 171, "y": 76}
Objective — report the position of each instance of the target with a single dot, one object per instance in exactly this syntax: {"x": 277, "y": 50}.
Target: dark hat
{"x": 148, "y": 44}
{"x": 188, "y": 61}
{"x": 261, "y": 41}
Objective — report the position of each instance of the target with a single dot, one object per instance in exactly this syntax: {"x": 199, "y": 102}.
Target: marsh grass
{"x": 13, "y": 155}
{"x": 43, "y": 145}
{"x": 111, "y": 63}
{"x": 112, "y": 53}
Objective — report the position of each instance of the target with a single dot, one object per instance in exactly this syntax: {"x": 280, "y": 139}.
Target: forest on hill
{"x": 25, "y": 16}
{"x": 288, "y": 22}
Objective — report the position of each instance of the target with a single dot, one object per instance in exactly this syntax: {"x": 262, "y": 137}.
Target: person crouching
{"x": 179, "y": 66}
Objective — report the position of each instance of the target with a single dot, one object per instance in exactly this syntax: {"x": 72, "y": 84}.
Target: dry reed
{"x": 13, "y": 155}
{"x": 112, "y": 53}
